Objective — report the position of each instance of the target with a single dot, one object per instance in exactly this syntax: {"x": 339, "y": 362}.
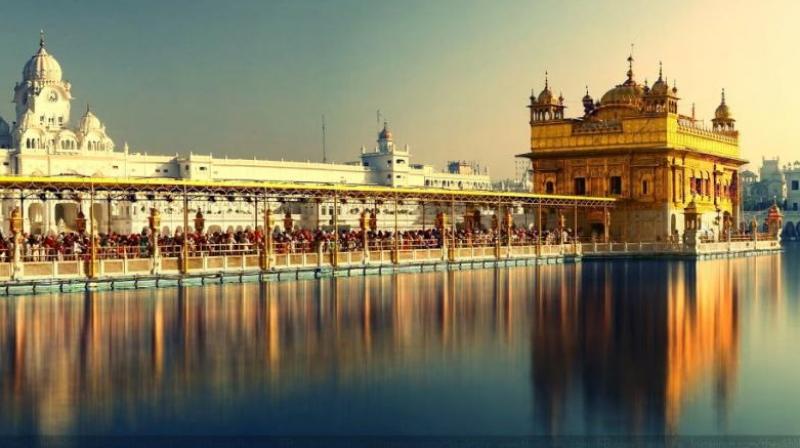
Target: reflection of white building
{"x": 41, "y": 143}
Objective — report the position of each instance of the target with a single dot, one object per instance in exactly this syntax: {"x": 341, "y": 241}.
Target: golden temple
{"x": 635, "y": 146}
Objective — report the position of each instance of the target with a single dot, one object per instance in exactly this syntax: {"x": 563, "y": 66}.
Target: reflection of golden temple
{"x": 646, "y": 347}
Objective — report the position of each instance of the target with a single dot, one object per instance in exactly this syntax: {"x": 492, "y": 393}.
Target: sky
{"x": 253, "y": 78}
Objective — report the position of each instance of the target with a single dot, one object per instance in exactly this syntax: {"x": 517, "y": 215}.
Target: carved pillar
{"x": 539, "y": 229}
{"x": 363, "y": 223}
{"x": 575, "y": 226}
{"x": 441, "y": 225}
{"x": 154, "y": 222}
{"x": 266, "y": 254}
{"x": 396, "y": 250}
{"x": 509, "y": 222}
{"x": 183, "y": 261}
{"x": 15, "y": 225}
{"x": 109, "y": 215}
{"x": 335, "y": 251}
{"x": 451, "y": 255}
{"x": 91, "y": 272}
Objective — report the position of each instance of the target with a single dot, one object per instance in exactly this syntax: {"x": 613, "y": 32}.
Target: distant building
{"x": 771, "y": 178}
{"x": 41, "y": 142}
{"x": 775, "y": 183}
{"x": 792, "y": 176}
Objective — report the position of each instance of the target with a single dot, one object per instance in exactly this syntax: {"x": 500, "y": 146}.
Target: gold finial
{"x": 41, "y": 38}
{"x": 659, "y": 69}
{"x": 723, "y": 95}
{"x": 630, "y": 65}
{"x": 546, "y": 83}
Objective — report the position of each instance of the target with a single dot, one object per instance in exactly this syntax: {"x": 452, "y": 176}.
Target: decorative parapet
{"x": 708, "y": 133}
{"x": 702, "y": 140}
{"x": 632, "y": 132}
{"x": 596, "y": 127}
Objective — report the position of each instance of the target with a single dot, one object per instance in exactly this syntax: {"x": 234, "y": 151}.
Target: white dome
{"x": 90, "y": 122}
{"x": 42, "y": 66}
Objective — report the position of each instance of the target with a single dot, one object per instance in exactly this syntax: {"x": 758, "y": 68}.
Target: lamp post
{"x": 509, "y": 221}
{"x": 363, "y": 222}
{"x": 266, "y": 254}
{"x": 184, "y": 259}
{"x": 92, "y": 271}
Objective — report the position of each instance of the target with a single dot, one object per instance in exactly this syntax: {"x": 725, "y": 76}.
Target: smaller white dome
{"x": 89, "y": 122}
{"x": 42, "y": 66}
{"x": 385, "y": 133}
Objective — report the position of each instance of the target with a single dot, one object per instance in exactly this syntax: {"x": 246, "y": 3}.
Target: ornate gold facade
{"x": 634, "y": 145}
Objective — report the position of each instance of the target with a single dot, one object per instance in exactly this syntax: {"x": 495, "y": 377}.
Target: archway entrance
{"x": 36, "y": 221}
{"x": 66, "y": 213}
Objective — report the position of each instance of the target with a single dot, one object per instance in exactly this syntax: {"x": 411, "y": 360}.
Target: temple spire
{"x": 630, "y": 65}
{"x": 723, "y": 96}
{"x": 546, "y": 82}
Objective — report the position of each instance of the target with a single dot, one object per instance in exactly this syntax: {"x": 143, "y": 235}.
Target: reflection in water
{"x": 605, "y": 348}
{"x": 633, "y": 341}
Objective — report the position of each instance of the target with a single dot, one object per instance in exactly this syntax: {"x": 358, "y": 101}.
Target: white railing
{"x": 202, "y": 262}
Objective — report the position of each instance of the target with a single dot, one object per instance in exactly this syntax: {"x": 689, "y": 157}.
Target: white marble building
{"x": 42, "y": 141}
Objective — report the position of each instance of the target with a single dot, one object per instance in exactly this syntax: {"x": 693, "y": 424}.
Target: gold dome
{"x": 546, "y": 97}
{"x": 722, "y": 112}
{"x": 628, "y": 94}
{"x": 623, "y": 95}
{"x": 660, "y": 87}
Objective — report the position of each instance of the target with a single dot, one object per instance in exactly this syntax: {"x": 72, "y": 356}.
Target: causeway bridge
{"x": 445, "y": 240}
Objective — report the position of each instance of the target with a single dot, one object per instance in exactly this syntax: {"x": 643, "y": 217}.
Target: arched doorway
{"x": 66, "y": 213}
{"x": 36, "y": 221}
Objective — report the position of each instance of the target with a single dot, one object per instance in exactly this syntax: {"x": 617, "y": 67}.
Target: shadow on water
{"x": 594, "y": 348}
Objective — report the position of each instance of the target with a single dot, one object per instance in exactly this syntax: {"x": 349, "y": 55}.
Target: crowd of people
{"x": 75, "y": 246}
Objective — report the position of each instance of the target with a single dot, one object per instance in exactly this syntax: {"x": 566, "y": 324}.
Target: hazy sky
{"x": 252, "y": 78}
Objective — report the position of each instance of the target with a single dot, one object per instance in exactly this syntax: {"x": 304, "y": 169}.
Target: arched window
{"x": 549, "y": 188}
